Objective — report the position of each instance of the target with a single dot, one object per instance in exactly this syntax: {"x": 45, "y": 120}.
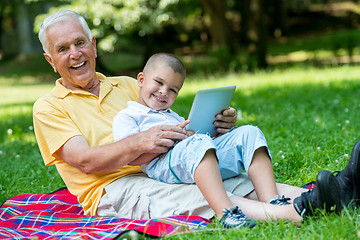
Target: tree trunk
{"x": 219, "y": 26}
{"x": 2, "y": 7}
{"x": 245, "y": 15}
{"x": 24, "y": 31}
{"x": 280, "y": 17}
{"x": 257, "y": 33}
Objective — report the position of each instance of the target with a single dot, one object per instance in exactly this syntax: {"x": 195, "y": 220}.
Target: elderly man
{"x": 73, "y": 127}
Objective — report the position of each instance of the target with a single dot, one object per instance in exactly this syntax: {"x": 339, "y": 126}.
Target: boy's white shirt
{"x": 137, "y": 118}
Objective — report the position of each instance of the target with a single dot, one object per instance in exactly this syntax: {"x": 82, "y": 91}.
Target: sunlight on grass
{"x": 310, "y": 117}
{"x": 294, "y": 76}
{"x": 22, "y": 94}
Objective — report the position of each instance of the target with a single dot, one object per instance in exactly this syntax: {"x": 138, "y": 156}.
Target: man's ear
{"x": 93, "y": 43}
{"x": 49, "y": 60}
{"x": 140, "y": 78}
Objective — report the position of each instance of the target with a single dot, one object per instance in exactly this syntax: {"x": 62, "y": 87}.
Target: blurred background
{"x": 295, "y": 64}
{"x": 208, "y": 35}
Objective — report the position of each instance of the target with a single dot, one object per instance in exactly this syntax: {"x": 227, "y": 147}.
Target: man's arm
{"x": 133, "y": 150}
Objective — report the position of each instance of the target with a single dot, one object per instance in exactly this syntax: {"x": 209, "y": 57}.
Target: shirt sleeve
{"x": 53, "y": 129}
{"x": 124, "y": 126}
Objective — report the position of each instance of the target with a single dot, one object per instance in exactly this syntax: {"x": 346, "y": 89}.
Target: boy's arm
{"x": 225, "y": 121}
{"x": 124, "y": 126}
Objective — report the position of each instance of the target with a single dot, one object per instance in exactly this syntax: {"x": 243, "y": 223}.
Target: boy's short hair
{"x": 169, "y": 59}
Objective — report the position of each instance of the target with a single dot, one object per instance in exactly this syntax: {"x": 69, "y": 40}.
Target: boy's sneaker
{"x": 349, "y": 179}
{"x": 325, "y": 195}
{"x": 280, "y": 200}
{"x": 234, "y": 218}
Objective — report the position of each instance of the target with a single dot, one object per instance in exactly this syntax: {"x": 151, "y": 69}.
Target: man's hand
{"x": 157, "y": 140}
{"x": 160, "y": 139}
{"x": 225, "y": 120}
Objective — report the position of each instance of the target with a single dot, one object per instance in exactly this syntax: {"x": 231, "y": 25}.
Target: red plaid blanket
{"x": 59, "y": 216}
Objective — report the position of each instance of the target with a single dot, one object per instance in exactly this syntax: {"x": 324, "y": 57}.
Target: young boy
{"x": 193, "y": 159}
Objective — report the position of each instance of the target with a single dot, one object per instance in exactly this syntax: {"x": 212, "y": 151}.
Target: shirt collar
{"x": 146, "y": 109}
{"x": 60, "y": 91}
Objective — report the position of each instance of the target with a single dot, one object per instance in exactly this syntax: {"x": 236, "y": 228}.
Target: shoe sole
{"x": 355, "y": 164}
{"x": 331, "y": 200}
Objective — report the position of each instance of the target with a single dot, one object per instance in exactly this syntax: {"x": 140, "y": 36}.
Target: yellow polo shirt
{"x": 63, "y": 114}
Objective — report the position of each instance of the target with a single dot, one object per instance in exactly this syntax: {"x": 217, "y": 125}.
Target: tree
{"x": 112, "y": 21}
{"x": 256, "y": 31}
{"x": 5, "y": 5}
{"x": 118, "y": 23}
{"x": 219, "y": 26}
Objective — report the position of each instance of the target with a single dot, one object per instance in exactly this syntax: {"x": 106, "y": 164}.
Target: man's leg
{"x": 326, "y": 195}
{"x": 265, "y": 211}
{"x": 283, "y": 189}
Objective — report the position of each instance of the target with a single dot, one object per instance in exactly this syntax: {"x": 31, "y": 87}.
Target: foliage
{"x": 111, "y": 19}
{"x": 142, "y": 27}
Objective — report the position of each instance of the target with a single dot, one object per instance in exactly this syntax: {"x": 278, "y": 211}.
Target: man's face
{"x": 159, "y": 87}
{"x": 72, "y": 54}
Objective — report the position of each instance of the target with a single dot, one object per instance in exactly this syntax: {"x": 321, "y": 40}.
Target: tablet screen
{"x": 207, "y": 104}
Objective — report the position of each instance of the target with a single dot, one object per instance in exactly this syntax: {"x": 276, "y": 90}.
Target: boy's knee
{"x": 199, "y": 138}
{"x": 249, "y": 129}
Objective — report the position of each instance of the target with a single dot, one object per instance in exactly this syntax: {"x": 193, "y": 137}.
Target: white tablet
{"x": 207, "y": 104}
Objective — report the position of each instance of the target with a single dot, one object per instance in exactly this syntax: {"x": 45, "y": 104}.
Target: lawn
{"x": 310, "y": 117}
{"x": 311, "y": 120}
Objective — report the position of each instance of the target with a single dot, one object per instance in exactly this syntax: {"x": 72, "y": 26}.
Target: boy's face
{"x": 159, "y": 87}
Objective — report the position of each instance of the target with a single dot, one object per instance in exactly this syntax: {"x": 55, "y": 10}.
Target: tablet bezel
{"x": 207, "y": 104}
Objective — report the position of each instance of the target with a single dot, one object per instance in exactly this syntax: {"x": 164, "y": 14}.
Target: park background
{"x": 295, "y": 64}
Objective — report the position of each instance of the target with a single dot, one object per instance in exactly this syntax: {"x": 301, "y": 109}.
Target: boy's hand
{"x": 225, "y": 120}
{"x": 189, "y": 132}
{"x": 183, "y": 125}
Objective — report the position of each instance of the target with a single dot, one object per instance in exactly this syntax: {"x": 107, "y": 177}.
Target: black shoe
{"x": 325, "y": 195}
{"x": 349, "y": 179}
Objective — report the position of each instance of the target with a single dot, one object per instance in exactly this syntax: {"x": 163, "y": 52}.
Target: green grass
{"x": 310, "y": 118}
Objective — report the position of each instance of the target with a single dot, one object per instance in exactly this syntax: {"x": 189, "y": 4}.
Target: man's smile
{"x": 78, "y": 66}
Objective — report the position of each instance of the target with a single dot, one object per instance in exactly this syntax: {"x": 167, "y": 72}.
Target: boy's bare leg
{"x": 208, "y": 179}
{"x": 262, "y": 176}
{"x": 264, "y": 211}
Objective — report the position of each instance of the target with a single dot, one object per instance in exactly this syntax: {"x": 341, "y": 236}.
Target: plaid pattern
{"x": 309, "y": 185}
{"x": 59, "y": 216}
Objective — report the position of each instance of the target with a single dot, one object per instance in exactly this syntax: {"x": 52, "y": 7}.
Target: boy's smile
{"x": 159, "y": 87}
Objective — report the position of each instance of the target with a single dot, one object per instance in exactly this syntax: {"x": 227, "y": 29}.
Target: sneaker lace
{"x": 234, "y": 213}
{"x": 234, "y": 217}
{"x": 280, "y": 200}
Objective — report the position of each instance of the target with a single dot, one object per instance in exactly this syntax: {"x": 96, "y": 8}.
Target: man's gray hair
{"x": 57, "y": 17}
